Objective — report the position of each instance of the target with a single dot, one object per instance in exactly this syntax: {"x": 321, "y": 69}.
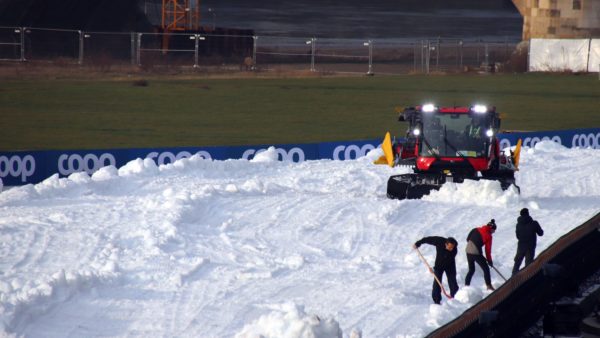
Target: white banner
{"x": 595, "y": 56}
{"x": 559, "y": 55}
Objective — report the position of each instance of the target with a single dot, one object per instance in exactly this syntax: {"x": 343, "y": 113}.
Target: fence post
{"x": 505, "y": 49}
{"x": 487, "y": 56}
{"x": 460, "y": 52}
{"x": 139, "y": 49}
{"x": 478, "y": 51}
{"x": 422, "y": 56}
{"x": 428, "y": 56}
{"x": 370, "y": 45}
{"x": 23, "y": 43}
{"x": 312, "y": 54}
{"x": 132, "y": 49}
{"x": 80, "y": 59}
{"x": 457, "y": 55}
{"x": 196, "y": 37}
{"x": 415, "y": 57}
{"x": 437, "y": 56}
{"x": 254, "y": 45}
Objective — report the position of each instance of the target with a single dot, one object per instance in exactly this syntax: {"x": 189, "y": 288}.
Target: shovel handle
{"x": 493, "y": 267}
{"x": 431, "y": 271}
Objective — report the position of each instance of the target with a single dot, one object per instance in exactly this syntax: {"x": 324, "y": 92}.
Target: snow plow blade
{"x": 517, "y": 154}
{"x": 388, "y": 155}
{"x": 413, "y": 186}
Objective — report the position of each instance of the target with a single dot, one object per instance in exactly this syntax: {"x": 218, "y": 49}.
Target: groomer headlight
{"x": 480, "y": 109}
{"x": 489, "y": 133}
{"x": 428, "y": 108}
{"x": 416, "y": 132}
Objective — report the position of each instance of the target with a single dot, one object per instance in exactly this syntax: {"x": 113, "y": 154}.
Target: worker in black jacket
{"x": 444, "y": 263}
{"x": 527, "y": 231}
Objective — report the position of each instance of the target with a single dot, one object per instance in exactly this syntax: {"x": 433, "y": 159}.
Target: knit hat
{"x": 452, "y": 240}
{"x": 492, "y": 224}
{"x": 524, "y": 212}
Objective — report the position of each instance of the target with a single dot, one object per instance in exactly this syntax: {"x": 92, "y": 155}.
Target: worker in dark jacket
{"x": 527, "y": 231}
{"x": 477, "y": 238}
{"x": 444, "y": 263}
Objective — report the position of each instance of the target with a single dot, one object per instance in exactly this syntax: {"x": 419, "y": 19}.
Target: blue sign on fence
{"x": 25, "y": 167}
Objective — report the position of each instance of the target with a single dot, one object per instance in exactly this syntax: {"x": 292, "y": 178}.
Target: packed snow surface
{"x": 261, "y": 248}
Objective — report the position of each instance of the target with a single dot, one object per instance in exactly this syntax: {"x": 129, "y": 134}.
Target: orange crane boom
{"x": 180, "y": 15}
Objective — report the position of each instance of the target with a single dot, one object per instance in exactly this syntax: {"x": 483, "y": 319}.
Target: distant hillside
{"x": 91, "y": 15}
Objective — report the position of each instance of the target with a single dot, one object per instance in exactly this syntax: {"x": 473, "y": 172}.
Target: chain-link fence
{"x": 11, "y": 44}
{"x": 244, "y": 52}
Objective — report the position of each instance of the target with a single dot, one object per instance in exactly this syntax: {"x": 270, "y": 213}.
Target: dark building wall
{"x": 322, "y": 18}
{"x": 89, "y": 15}
{"x": 364, "y": 19}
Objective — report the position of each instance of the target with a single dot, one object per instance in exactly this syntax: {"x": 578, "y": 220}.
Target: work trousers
{"x": 436, "y": 291}
{"x": 526, "y": 252}
{"x": 482, "y": 262}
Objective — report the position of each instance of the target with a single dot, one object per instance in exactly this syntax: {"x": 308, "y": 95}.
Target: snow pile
{"x": 482, "y": 193}
{"x": 261, "y": 248}
{"x": 146, "y": 167}
{"x": 269, "y": 155}
{"x": 290, "y": 320}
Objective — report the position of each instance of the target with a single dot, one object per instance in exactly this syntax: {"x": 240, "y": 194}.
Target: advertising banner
{"x": 574, "y": 138}
{"x": 28, "y": 167}
{"x": 594, "y": 62}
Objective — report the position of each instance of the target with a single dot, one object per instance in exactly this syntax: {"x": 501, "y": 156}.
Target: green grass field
{"x": 85, "y": 114}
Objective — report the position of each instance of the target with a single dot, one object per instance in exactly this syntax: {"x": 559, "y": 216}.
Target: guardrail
{"x": 25, "y": 167}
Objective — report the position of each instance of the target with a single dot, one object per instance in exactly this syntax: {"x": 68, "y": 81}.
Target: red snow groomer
{"x": 448, "y": 144}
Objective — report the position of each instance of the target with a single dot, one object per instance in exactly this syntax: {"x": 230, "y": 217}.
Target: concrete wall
{"x": 557, "y": 19}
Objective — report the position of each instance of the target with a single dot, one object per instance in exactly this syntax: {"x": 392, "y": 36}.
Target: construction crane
{"x": 177, "y": 16}
{"x": 180, "y": 15}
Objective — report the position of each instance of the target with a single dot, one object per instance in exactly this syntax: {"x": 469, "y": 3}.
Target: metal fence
{"x": 12, "y": 46}
{"x": 242, "y": 52}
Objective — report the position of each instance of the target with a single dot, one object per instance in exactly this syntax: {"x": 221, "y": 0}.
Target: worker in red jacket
{"x": 479, "y": 237}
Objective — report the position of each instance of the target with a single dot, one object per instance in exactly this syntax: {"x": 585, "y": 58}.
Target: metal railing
{"x": 246, "y": 52}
